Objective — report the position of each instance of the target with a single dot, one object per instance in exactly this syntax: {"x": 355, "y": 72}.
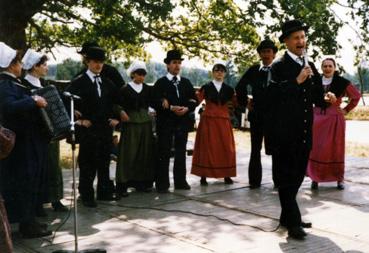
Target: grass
{"x": 359, "y": 113}
{"x": 242, "y": 139}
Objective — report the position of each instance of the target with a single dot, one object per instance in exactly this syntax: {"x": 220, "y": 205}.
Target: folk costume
{"x": 135, "y": 159}
{"x": 327, "y": 157}
{"x": 178, "y": 91}
{"x": 22, "y": 171}
{"x": 214, "y": 152}
{"x": 289, "y": 127}
{"x": 53, "y": 178}
{"x": 98, "y": 98}
{"x": 257, "y": 79}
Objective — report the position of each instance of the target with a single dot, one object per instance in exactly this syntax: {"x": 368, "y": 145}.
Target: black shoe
{"x": 340, "y": 185}
{"x": 302, "y": 224}
{"x": 105, "y": 197}
{"x": 314, "y": 185}
{"x": 228, "y": 180}
{"x": 89, "y": 203}
{"x": 40, "y": 211}
{"x": 297, "y": 233}
{"x": 59, "y": 207}
{"x": 203, "y": 181}
{"x": 254, "y": 186}
{"x": 162, "y": 190}
{"x": 184, "y": 186}
{"x": 306, "y": 224}
{"x": 33, "y": 230}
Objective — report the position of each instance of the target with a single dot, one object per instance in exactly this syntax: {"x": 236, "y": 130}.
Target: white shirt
{"x": 265, "y": 66}
{"x": 136, "y": 86}
{"x": 170, "y": 77}
{"x": 217, "y": 84}
{"x": 296, "y": 58}
{"x": 327, "y": 81}
{"x": 33, "y": 80}
{"x": 92, "y": 75}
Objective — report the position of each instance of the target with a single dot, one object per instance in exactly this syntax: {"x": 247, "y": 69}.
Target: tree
{"x": 206, "y": 28}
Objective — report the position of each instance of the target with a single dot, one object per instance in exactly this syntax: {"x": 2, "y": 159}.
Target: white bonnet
{"x": 30, "y": 59}
{"x": 7, "y": 54}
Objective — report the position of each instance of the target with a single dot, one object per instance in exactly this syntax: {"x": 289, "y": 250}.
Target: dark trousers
{"x": 94, "y": 156}
{"x": 290, "y": 172}
{"x": 165, "y": 142}
{"x": 257, "y": 136}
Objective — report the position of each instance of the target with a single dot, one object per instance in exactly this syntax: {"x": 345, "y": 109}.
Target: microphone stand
{"x": 74, "y": 168}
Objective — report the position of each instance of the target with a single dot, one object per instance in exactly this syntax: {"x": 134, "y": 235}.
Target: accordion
{"x": 54, "y": 115}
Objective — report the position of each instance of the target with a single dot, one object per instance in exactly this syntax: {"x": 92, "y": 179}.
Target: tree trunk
{"x": 14, "y": 18}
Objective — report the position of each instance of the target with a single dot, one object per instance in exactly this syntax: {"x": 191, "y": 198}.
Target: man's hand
{"x": 40, "y": 101}
{"x": 84, "y": 122}
{"x": 181, "y": 111}
{"x": 165, "y": 103}
{"x": 124, "y": 116}
{"x": 113, "y": 122}
{"x": 77, "y": 114}
{"x": 304, "y": 74}
{"x": 250, "y": 105}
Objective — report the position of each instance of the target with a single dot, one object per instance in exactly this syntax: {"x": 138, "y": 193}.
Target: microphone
{"x": 306, "y": 60}
{"x": 70, "y": 95}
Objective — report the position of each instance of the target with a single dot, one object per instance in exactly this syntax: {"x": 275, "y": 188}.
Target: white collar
{"x": 327, "y": 81}
{"x": 295, "y": 57}
{"x": 264, "y": 66}
{"x": 92, "y": 75}
{"x": 170, "y": 77}
{"x": 217, "y": 84}
{"x": 137, "y": 87}
{"x": 10, "y": 74}
{"x": 33, "y": 80}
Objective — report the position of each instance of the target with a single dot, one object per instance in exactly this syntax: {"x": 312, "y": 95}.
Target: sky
{"x": 344, "y": 58}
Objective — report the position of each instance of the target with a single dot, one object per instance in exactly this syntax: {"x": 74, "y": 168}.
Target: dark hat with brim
{"x": 86, "y": 46}
{"x": 292, "y": 26}
{"x": 173, "y": 55}
{"x": 265, "y": 44}
{"x": 95, "y": 53}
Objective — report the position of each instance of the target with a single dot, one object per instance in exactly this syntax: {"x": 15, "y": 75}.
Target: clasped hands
{"x": 178, "y": 110}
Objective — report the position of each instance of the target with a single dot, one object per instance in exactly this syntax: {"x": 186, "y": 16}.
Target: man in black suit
{"x": 257, "y": 78}
{"x": 97, "y": 120}
{"x": 108, "y": 71}
{"x": 174, "y": 99}
{"x": 294, "y": 88}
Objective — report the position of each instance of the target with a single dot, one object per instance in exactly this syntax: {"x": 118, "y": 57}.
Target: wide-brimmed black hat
{"x": 291, "y": 26}
{"x": 86, "y": 45}
{"x": 173, "y": 55}
{"x": 267, "y": 43}
{"x": 95, "y": 53}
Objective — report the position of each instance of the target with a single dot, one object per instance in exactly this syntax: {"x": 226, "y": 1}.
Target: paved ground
{"x": 340, "y": 218}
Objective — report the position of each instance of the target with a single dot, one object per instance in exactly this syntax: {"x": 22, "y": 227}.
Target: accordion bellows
{"x": 55, "y": 115}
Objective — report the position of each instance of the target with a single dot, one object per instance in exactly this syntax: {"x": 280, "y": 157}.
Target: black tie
{"x": 97, "y": 83}
{"x": 266, "y": 75}
{"x": 175, "y": 83}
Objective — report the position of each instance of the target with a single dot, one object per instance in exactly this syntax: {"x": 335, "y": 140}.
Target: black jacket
{"x": 164, "y": 89}
{"x": 290, "y": 105}
{"x": 94, "y": 108}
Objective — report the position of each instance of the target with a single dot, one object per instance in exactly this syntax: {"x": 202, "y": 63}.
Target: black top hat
{"x": 95, "y": 53}
{"x": 291, "y": 26}
{"x": 173, "y": 55}
{"x": 86, "y": 45}
{"x": 267, "y": 43}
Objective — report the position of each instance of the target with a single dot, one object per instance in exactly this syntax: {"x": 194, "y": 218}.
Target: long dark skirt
{"x": 135, "y": 162}
{"x": 55, "y": 176}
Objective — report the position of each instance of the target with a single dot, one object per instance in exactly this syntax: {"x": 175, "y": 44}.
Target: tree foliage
{"x": 228, "y": 29}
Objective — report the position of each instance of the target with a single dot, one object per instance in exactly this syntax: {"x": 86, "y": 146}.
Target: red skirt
{"x": 214, "y": 152}
{"x": 327, "y": 157}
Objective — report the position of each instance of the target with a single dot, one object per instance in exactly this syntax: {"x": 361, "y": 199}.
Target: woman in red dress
{"x": 214, "y": 152}
{"x": 327, "y": 157}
